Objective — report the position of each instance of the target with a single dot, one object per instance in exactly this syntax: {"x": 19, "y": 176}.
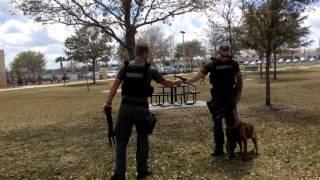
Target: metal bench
{"x": 194, "y": 93}
{"x": 251, "y": 68}
{"x": 159, "y": 99}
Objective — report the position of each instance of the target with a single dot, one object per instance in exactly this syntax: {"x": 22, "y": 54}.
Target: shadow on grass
{"x": 283, "y": 80}
{"x": 287, "y": 114}
{"x": 236, "y": 168}
{"x": 56, "y": 151}
{"x": 295, "y": 72}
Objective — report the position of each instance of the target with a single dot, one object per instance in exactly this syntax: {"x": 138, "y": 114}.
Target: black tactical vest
{"x": 135, "y": 82}
{"x": 222, "y": 76}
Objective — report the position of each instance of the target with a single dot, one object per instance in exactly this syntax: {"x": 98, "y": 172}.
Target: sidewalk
{"x": 47, "y": 85}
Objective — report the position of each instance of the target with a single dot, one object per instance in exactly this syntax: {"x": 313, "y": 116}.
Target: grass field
{"x": 286, "y": 65}
{"x": 60, "y": 133}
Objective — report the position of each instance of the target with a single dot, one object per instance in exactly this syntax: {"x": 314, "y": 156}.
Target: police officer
{"x": 135, "y": 78}
{"x": 226, "y": 81}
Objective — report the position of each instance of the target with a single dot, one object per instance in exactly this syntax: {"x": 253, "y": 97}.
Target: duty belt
{"x": 134, "y": 103}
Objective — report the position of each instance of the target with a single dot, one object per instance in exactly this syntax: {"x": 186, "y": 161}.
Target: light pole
{"x": 183, "y": 47}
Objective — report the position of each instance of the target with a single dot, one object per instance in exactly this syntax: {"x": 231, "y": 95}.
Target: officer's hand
{"x": 107, "y": 107}
{"x": 178, "y": 82}
{"x": 187, "y": 80}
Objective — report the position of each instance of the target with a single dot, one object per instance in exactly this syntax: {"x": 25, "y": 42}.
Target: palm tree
{"x": 60, "y": 60}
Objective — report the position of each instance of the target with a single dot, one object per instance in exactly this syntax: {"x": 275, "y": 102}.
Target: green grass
{"x": 287, "y": 65}
{"x": 60, "y": 133}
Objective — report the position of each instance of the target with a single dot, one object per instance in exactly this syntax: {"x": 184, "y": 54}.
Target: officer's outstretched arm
{"x": 170, "y": 83}
{"x": 195, "y": 78}
{"x": 113, "y": 90}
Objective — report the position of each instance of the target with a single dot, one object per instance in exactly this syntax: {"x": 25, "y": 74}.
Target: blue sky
{"x": 19, "y": 33}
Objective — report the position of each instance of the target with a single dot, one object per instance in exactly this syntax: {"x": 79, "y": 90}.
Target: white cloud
{"x": 193, "y": 24}
{"x": 19, "y": 33}
{"x": 314, "y": 22}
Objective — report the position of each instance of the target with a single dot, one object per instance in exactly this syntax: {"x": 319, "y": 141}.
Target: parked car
{"x": 253, "y": 63}
{"x": 171, "y": 70}
{"x": 280, "y": 61}
{"x": 303, "y": 59}
{"x": 312, "y": 59}
{"x": 112, "y": 74}
{"x": 288, "y": 61}
{"x": 295, "y": 60}
{"x": 246, "y": 62}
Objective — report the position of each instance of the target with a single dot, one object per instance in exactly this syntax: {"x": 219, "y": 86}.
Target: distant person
{"x": 226, "y": 81}
{"x": 135, "y": 78}
{"x": 55, "y": 79}
{"x": 39, "y": 79}
{"x": 20, "y": 82}
{"x": 8, "y": 82}
{"x": 64, "y": 78}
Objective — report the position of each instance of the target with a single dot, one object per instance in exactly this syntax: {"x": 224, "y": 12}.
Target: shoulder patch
{"x": 220, "y": 67}
{"x": 134, "y": 75}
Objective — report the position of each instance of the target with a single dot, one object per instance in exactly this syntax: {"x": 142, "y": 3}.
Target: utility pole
{"x": 183, "y": 47}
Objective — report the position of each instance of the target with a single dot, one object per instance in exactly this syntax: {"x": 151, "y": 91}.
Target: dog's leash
{"x": 180, "y": 77}
{"x": 184, "y": 80}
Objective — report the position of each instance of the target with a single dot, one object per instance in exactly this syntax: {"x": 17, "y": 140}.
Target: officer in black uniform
{"x": 135, "y": 78}
{"x": 226, "y": 81}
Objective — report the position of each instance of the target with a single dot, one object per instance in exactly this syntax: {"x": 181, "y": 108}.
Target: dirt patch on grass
{"x": 275, "y": 108}
{"x": 282, "y": 80}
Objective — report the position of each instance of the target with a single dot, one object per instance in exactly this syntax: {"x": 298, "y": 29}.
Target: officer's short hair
{"x": 142, "y": 48}
{"x": 224, "y": 48}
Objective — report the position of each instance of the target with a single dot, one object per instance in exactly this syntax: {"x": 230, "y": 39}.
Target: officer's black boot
{"x": 231, "y": 142}
{"x": 117, "y": 177}
{"x": 218, "y": 136}
{"x": 144, "y": 174}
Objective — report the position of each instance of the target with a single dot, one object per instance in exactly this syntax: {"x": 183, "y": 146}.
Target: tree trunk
{"x": 94, "y": 71}
{"x": 130, "y": 43}
{"x": 268, "y": 91}
{"x": 274, "y": 66}
{"x": 192, "y": 64}
{"x": 230, "y": 39}
{"x": 261, "y": 73}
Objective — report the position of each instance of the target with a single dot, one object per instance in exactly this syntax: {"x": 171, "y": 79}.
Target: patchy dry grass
{"x": 59, "y": 133}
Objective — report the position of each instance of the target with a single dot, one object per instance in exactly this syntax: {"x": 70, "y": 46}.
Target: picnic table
{"x": 176, "y": 95}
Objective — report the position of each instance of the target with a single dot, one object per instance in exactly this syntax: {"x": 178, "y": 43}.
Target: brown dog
{"x": 245, "y": 131}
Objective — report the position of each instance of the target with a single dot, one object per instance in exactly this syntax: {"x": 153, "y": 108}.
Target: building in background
{"x": 3, "y": 77}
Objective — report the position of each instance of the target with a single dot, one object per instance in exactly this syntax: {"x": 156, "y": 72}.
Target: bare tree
{"x": 122, "y": 54}
{"x": 229, "y": 13}
{"x": 192, "y": 48}
{"x": 154, "y": 37}
{"x": 120, "y": 19}
{"x": 216, "y": 36}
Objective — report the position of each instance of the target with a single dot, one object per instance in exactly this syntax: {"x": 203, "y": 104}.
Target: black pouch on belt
{"x": 151, "y": 123}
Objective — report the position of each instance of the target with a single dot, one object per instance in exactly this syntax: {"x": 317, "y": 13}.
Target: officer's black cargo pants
{"x": 223, "y": 107}
{"x": 129, "y": 116}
